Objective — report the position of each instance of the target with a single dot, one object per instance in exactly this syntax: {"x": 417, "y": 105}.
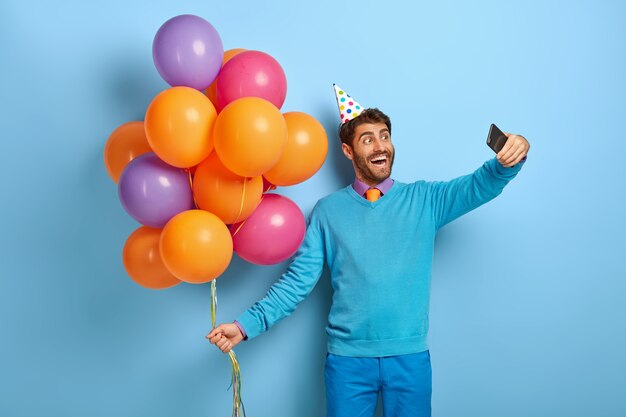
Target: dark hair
{"x": 373, "y": 115}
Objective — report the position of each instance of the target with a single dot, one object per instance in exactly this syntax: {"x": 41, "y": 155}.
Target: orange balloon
{"x": 126, "y": 143}
{"x": 142, "y": 259}
{"x": 249, "y": 136}
{"x": 229, "y": 196}
{"x": 178, "y": 126}
{"x": 211, "y": 92}
{"x": 305, "y": 151}
{"x": 196, "y": 246}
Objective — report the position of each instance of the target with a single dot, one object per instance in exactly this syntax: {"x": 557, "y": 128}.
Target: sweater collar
{"x": 360, "y": 187}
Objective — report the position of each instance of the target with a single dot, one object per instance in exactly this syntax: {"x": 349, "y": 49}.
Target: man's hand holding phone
{"x": 509, "y": 151}
{"x": 514, "y": 150}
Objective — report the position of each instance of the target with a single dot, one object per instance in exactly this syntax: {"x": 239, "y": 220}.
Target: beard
{"x": 370, "y": 172}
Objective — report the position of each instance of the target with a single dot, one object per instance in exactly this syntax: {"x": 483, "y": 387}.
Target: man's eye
{"x": 385, "y": 137}
{"x": 367, "y": 141}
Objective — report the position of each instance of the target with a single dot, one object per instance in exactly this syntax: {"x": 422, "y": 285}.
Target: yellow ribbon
{"x": 243, "y": 198}
{"x": 238, "y": 408}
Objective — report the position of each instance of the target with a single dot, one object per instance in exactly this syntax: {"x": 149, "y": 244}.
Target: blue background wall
{"x": 527, "y": 313}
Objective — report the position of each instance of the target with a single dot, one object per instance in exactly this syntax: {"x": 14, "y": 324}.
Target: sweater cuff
{"x": 241, "y": 329}
{"x": 510, "y": 170}
{"x": 249, "y": 325}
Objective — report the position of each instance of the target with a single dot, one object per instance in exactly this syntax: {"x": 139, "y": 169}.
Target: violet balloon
{"x": 251, "y": 74}
{"x": 153, "y": 192}
{"x": 188, "y": 51}
{"x": 272, "y": 233}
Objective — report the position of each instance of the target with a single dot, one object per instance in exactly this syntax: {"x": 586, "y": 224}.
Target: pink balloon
{"x": 272, "y": 233}
{"x": 251, "y": 74}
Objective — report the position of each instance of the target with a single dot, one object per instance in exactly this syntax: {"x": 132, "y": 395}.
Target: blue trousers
{"x": 353, "y": 385}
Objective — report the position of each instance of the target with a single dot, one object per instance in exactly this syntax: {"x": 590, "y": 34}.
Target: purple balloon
{"x": 153, "y": 192}
{"x": 188, "y": 51}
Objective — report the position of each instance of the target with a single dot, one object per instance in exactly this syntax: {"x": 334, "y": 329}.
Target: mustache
{"x": 375, "y": 155}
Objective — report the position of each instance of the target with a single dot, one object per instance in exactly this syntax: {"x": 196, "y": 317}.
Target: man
{"x": 377, "y": 237}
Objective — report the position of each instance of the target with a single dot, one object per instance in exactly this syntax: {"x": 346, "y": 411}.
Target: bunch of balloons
{"x": 195, "y": 173}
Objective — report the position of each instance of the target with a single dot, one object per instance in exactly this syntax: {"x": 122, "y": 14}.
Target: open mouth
{"x": 379, "y": 160}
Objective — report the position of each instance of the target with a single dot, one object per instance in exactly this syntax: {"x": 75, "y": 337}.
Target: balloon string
{"x": 244, "y": 222}
{"x": 238, "y": 408}
{"x": 270, "y": 187}
{"x": 239, "y": 228}
{"x": 243, "y": 198}
{"x": 193, "y": 196}
{"x": 213, "y": 303}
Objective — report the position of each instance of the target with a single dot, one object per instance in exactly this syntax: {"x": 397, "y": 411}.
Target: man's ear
{"x": 347, "y": 150}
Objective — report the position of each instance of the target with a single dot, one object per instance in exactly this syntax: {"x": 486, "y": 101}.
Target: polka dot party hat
{"x": 348, "y": 107}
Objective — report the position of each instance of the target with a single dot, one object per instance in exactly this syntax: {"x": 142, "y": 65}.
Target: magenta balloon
{"x": 188, "y": 51}
{"x": 153, "y": 192}
{"x": 251, "y": 74}
{"x": 272, "y": 233}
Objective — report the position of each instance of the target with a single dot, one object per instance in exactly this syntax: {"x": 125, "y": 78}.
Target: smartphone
{"x": 496, "y": 139}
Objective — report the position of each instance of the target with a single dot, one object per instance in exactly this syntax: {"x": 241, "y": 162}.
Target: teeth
{"x": 382, "y": 158}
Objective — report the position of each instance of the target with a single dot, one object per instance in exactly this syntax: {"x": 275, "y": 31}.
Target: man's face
{"x": 371, "y": 152}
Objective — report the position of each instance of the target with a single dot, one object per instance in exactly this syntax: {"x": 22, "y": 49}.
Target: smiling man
{"x": 377, "y": 238}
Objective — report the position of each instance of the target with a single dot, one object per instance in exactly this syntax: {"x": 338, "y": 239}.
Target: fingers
{"x": 511, "y": 155}
{"x": 516, "y": 157}
{"x": 514, "y": 150}
{"x": 508, "y": 148}
{"x": 215, "y": 335}
{"x": 224, "y": 345}
{"x": 218, "y": 337}
{"x": 222, "y": 342}
{"x": 219, "y": 330}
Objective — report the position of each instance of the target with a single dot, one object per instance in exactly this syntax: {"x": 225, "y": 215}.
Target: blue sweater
{"x": 380, "y": 259}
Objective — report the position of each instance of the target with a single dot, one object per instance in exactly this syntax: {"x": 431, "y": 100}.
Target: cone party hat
{"x": 349, "y": 108}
